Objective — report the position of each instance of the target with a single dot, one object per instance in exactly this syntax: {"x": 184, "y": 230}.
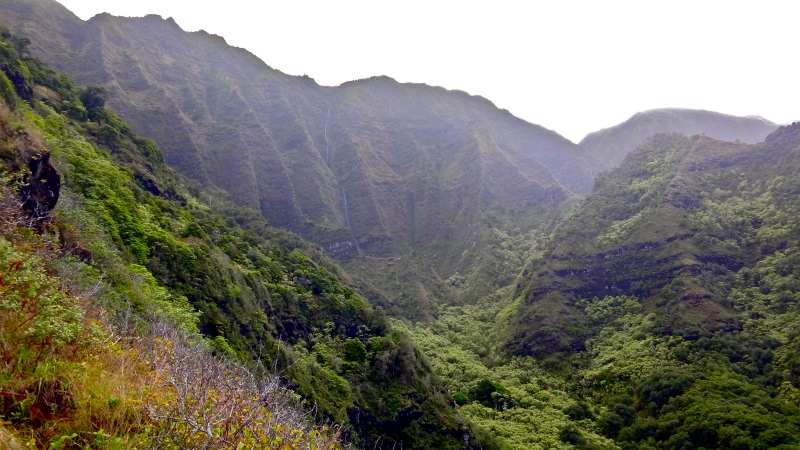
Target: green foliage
{"x": 15, "y": 77}
{"x": 94, "y": 98}
{"x": 723, "y": 411}
{"x": 514, "y": 399}
{"x": 663, "y": 385}
{"x": 619, "y": 414}
{"x": 219, "y": 345}
{"x": 355, "y": 351}
{"x": 624, "y": 353}
{"x": 36, "y": 315}
{"x": 579, "y": 410}
{"x": 105, "y": 187}
{"x": 487, "y": 393}
{"x": 678, "y": 272}
{"x": 254, "y": 291}
{"x": 163, "y": 303}
{"x": 7, "y": 91}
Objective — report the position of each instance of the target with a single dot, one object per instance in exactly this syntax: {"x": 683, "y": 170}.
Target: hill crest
{"x": 609, "y": 146}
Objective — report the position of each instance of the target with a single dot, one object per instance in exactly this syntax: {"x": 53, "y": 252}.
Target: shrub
{"x": 201, "y": 401}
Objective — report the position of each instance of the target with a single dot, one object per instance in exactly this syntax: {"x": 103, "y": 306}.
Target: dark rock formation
{"x": 42, "y": 187}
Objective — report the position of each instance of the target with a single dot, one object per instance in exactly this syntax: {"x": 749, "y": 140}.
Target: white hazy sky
{"x": 571, "y": 66}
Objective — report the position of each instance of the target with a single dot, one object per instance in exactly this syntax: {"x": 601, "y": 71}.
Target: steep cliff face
{"x": 669, "y": 227}
{"x": 609, "y": 146}
{"x": 371, "y": 168}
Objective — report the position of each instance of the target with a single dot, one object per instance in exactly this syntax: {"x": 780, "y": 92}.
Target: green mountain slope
{"x": 646, "y": 227}
{"x": 609, "y": 146}
{"x": 140, "y": 231}
{"x": 672, "y": 294}
{"x": 372, "y": 167}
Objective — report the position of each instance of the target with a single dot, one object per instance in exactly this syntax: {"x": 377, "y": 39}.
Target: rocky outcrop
{"x": 42, "y": 187}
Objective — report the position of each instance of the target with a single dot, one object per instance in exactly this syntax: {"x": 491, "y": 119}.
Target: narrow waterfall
{"x": 327, "y": 144}
{"x": 346, "y": 211}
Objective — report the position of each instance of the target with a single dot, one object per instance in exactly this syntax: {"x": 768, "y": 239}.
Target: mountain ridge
{"x": 419, "y": 168}
{"x": 610, "y": 145}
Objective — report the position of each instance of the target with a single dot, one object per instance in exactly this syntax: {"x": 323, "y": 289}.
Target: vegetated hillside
{"x": 527, "y": 406}
{"x": 372, "y": 167}
{"x": 609, "y": 146}
{"x": 673, "y": 293}
{"x": 102, "y": 242}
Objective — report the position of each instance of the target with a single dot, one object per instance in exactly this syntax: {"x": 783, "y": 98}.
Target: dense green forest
{"x": 665, "y": 307}
{"x": 458, "y": 293}
{"x": 661, "y": 313}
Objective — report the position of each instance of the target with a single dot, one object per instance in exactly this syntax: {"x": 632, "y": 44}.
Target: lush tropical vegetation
{"x": 702, "y": 354}
{"x": 105, "y": 249}
{"x": 143, "y": 308}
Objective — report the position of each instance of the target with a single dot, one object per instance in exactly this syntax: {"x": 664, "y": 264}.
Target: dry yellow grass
{"x": 8, "y": 441}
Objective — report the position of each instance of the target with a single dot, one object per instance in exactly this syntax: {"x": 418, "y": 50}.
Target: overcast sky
{"x": 571, "y": 66}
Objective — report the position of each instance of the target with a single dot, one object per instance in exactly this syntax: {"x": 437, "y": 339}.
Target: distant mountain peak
{"x": 609, "y": 146}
